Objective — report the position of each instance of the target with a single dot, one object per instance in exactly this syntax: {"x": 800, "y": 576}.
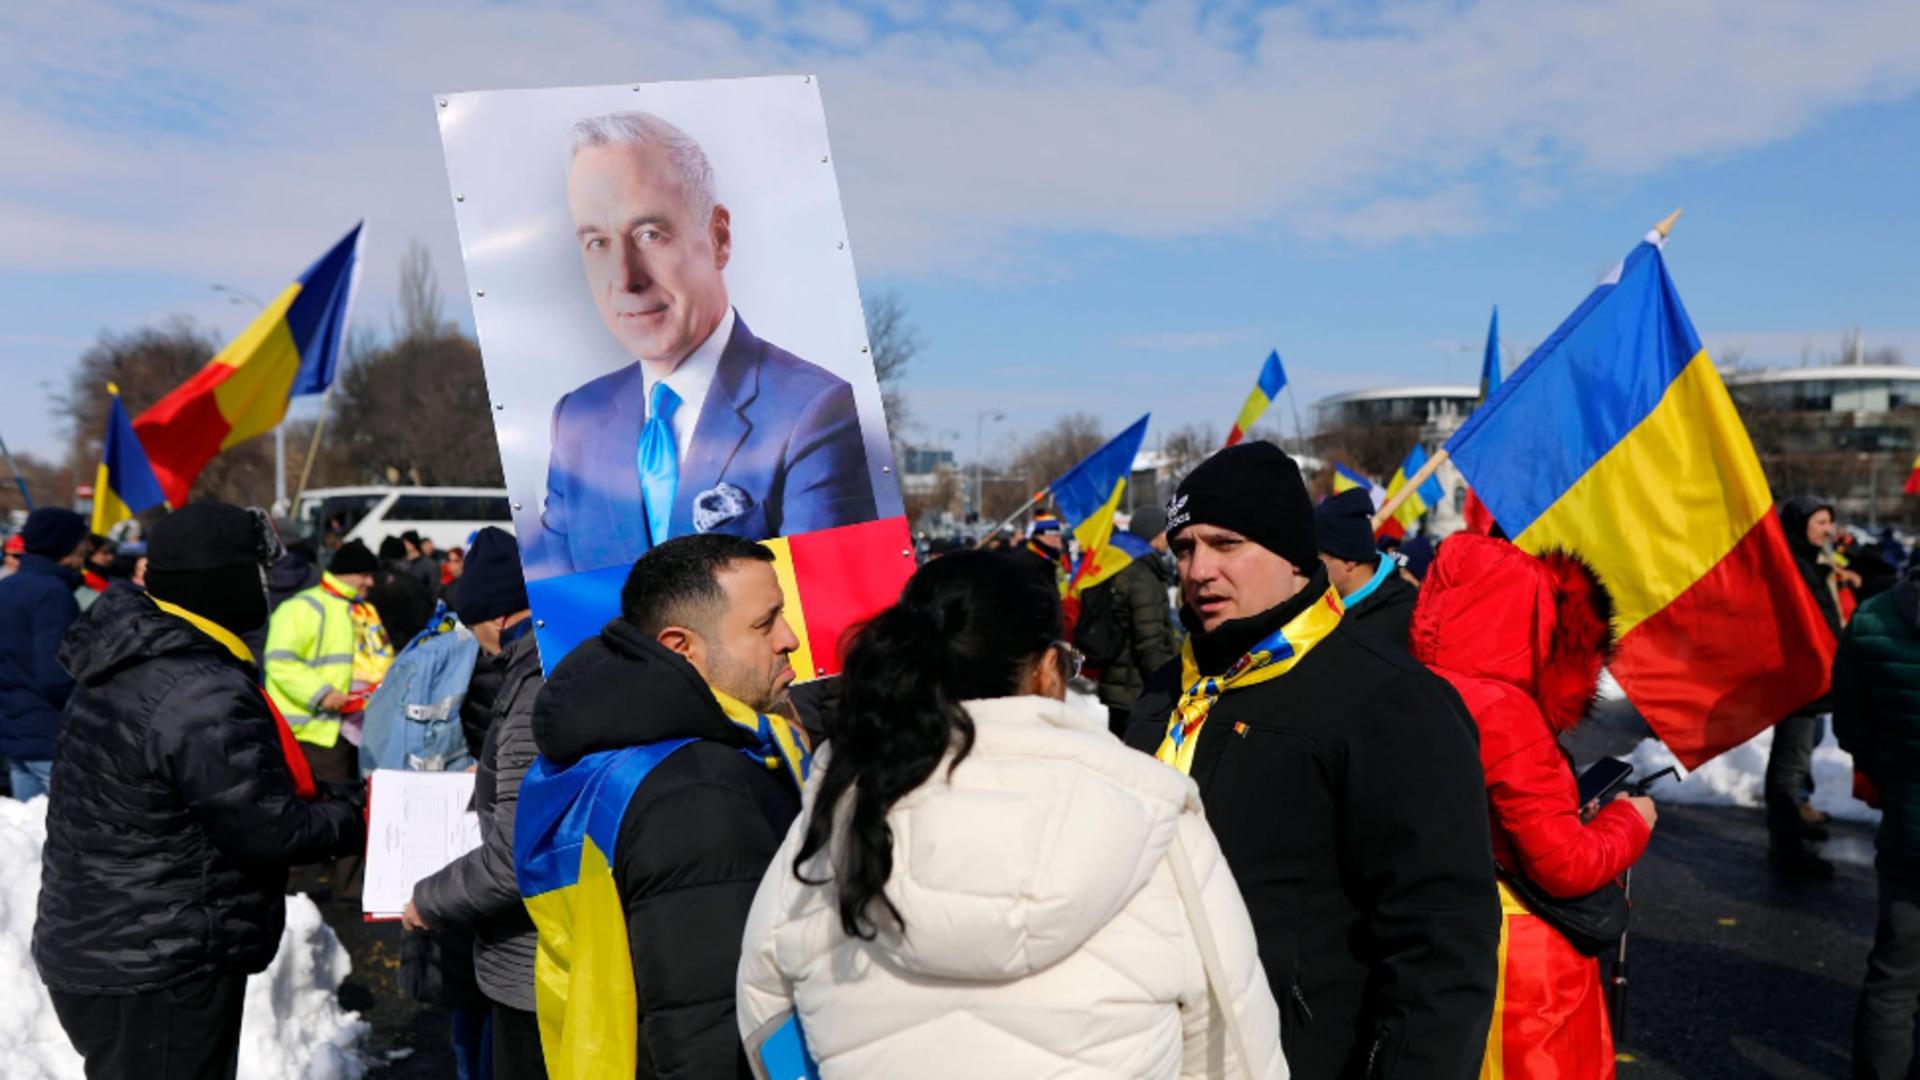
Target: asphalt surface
{"x": 1734, "y": 973}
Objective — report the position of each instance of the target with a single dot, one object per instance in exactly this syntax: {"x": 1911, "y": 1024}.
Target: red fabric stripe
{"x": 1479, "y": 519}
{"x": 183, "y": 431}
{"x": 845, "y": 577}
{"x": 1553, "y": 1008}
{"x": 1744, "y": 646}
{"x": 1235, "y": 435}
{"x": 1913, "y": 483}
{"x": 303, "y": 785}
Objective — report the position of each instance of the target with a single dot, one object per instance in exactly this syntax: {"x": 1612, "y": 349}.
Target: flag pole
{"x": 1010, "y": 518}
{"x": 1299, "y": 432}
{"x": 18, "y": 480}
{"x": 1407, "y": 489}
{"x": 313, "y": 445}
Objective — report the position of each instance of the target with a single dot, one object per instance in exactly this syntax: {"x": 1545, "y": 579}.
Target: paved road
{"x": 1735, "y": 975}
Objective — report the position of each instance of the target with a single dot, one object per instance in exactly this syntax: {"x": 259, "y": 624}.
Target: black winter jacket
{"x": 172, "y": 817}
{"x": 1146, "y": 621}
{"x": 693, "y": 845}
{"x": 1388, "y": 610}
{"x": 478, "y": 890}
{"x": 36, "y": 608}
{"x": 1348, "y": 799}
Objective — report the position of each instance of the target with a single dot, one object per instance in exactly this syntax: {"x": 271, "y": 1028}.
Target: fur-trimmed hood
{"x": 1543, "y": 624}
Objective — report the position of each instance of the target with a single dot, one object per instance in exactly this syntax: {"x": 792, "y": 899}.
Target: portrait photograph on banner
{"x": 664, "y": 295}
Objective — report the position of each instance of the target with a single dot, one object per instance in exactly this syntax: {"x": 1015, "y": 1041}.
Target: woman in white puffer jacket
{"x": 998, "y": 895}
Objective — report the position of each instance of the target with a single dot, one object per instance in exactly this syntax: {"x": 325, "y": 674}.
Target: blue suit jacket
{"x": 780, "y": 434}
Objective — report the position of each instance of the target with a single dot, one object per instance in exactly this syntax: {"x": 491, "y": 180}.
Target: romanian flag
{"x": 1490, "y": 363}
{"x": 1088, "y": 496}
{"x": 1272, "y": 378}
{"x": 291, "y": 348}
{"x": 1617, "y": 440}
{"x": 1424, "y": 498}
{"x": 124, "y": 484}
{"x": 833, "y": 579}
{"x": 1913, "y": 479}
{"x": 1346, "y": 479}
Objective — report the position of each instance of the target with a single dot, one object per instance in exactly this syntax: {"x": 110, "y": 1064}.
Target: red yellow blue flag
{"x": 1424, "y": 498}
{"x": 124, "y": 485}
{"x": 1617, "y": 440}
{"x": 1088, "y": 496}
{"x": 292, "y": 348}
{"x": 1346, "y": 478}
{"x": 1272, "y": 379}
{"x": 1490, "y": 363}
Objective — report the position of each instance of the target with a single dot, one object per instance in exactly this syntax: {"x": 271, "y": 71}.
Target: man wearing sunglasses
{"x": 1342, "y": 780}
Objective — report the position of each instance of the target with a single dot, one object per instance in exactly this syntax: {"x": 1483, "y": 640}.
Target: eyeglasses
{"x": 1072, "y": 660}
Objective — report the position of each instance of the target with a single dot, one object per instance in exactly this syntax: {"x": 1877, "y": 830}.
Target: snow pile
{"x": 1737, "y": 777}
{"x": 294, "y": 1028}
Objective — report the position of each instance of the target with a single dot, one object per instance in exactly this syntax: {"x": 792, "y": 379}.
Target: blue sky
{"x": 1100, "y": 207}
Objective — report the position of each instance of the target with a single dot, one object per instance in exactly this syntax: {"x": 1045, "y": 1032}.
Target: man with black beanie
{"x": 478, "y": 891}
{"x": 1342, "y": 780}
{"x": 178, "y": 803}
{"x": 1371, "y": 588}
{"x": 37, "y": 605}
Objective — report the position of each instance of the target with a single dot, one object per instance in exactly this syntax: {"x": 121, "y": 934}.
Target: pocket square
{"x": 718, "y": 505}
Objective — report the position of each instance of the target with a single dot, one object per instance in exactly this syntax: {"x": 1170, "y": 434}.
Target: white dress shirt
{"x": 690, "y": 381}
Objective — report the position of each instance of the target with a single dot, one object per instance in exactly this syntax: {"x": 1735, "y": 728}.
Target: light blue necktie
{"x": 659, "y": 462}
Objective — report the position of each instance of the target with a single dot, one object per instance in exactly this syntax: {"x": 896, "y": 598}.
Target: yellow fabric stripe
{"x": 795, "y": 614}
{"x": 108, "y": 510}
{"x": 786, "y": 738}
{"x": 1494, "y": 1065}
{"x": 1251, "y": 412}
{"x": 264, "y": 360}
{"x": 1094, "y": 534}
{"x": 583, "y": 975}
{"x": 214, "y": 630}
{"x": 1667, "y": 503}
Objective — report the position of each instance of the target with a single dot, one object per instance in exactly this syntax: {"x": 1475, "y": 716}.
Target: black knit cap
{"x": 492, "y": 584}
{"x": 353, "y": 558}
{"x": 53, "y": 532}
{"x": 1344, "y": 522}
{"x": 1254, "y": 489}
{"x": 205, "y": 557}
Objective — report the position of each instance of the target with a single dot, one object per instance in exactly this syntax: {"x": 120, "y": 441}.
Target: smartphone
{"x": 1601, "y": 778}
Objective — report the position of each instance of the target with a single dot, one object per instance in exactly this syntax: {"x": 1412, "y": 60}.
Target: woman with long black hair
{"x": 984, "y": 882}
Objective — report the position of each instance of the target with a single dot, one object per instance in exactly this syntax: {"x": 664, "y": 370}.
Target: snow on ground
{"x": 1735, "y": 778}
{"x": 294, "y": 1028}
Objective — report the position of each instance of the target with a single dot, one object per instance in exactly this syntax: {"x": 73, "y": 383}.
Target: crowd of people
{"x": 1320, "y": 824}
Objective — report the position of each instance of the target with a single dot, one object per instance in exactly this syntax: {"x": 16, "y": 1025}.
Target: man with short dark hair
{"x": 37, "y": 605}
{"x": 664, "y": 755}
{"x": 1342, "y": 779}
{"x": 1370, "y": 585}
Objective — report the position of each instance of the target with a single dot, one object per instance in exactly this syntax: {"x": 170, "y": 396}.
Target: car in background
{"x": 448, "y": 516}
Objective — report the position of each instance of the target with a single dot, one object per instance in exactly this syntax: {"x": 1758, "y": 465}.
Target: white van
{"x": 448, "y": 516}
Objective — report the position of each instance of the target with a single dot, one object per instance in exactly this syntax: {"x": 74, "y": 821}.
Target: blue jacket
{"x": 780, "y": 434}
{"x": 36, "y": 608}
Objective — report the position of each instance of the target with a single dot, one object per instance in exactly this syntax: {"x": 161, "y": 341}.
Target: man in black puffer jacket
{"x": 174, "y": 812}
{"x": 1343, "y": 781}
{"x": 698, "y": 653}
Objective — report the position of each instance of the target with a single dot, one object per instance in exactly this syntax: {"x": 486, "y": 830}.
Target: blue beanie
{"x": 492, "y": 584}
{"x": 53, "y": 532}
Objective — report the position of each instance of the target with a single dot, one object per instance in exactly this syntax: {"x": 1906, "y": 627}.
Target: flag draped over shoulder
{"x": 1088, "y": 496}
{"x": 1423, "y": 498}
{"x": 1272, "y": 379}
{"x": 291, "y": 348}
{"x": 1617, "y": 440}
{"x": 124, "y": 485}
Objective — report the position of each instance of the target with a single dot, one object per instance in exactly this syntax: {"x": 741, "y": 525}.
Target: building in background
{"x": 1844, "y": 432}
{"x": 1372, "y": 430}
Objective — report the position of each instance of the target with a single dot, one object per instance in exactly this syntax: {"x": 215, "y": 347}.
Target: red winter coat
{"x": 1523, "y": 639}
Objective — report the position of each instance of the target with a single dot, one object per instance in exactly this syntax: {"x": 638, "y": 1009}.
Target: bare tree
{"x": 894, "y": 343}
{"x": 418, "y": 315}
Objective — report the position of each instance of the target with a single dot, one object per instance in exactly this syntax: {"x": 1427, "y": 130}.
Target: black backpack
{"x": 1100, "y": 634}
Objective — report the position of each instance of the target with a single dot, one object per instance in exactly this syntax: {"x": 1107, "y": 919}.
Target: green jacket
{"x": 1146, "y": 616}
{"x": 309, "y": 654}
{"x": 1876, "y": 714}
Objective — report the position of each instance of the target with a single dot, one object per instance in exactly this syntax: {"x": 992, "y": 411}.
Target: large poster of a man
{"x": 669, "y": 320}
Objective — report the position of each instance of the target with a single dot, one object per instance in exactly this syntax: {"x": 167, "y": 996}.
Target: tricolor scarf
{"x": 1273, "y": 657}
{"x": 779, "y": 746}
{"x": 297, "y": 767}
{"x": 372, "y": 649}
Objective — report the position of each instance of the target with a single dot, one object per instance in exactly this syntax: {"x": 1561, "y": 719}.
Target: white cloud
{"x": 216, "y": 140}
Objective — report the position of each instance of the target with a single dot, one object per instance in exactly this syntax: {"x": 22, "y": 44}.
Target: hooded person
{"x": 1523, "y": 638}
{"x": 37, "y": 605}
{"x": 1371, "y": 588}
{"x": 1342, "y": 780}
{"x": 987, "y": 884}
{"x": 1792, "y": 829}
{"x": 179, "y": 800}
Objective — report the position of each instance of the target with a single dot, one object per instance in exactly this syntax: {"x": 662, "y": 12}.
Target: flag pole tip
{"x": 1666, "y": 224}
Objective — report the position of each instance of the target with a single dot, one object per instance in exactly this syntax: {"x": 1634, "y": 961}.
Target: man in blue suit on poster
{"x": 710, "y": 429}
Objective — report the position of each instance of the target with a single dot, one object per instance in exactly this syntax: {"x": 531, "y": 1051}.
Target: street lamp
{"x": 979, "y": 424}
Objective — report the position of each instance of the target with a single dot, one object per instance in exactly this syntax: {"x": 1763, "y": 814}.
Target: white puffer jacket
{"x": 1045, "y": 936}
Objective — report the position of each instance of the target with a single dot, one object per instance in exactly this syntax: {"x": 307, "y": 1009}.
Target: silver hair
{"x": 644, "y": 128}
